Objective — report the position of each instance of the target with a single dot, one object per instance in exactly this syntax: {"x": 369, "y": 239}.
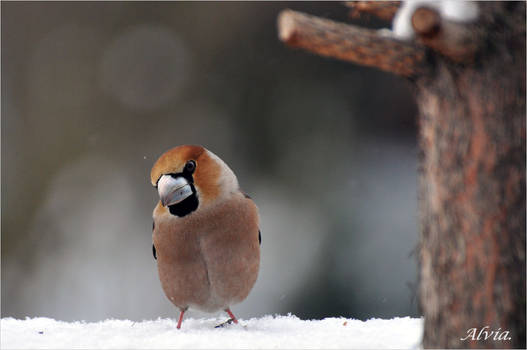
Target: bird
{"x": 206, "y": 236}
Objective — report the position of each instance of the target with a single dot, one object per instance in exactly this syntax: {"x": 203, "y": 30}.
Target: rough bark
{"x": 470, "y": 90}
{"x": 472, "y": 136}
{"x": 384, "y": 10}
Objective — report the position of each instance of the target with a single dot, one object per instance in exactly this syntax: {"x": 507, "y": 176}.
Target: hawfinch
{"x": 205, "y": 236}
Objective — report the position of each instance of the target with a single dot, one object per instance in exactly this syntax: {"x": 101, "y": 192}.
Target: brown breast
{"x": 208, "y": 259}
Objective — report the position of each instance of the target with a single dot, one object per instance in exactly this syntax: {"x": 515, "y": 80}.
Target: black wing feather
{"x": 153, "y": 247}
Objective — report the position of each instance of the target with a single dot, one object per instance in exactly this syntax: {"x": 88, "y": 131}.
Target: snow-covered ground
{"x": 267, "y": 332}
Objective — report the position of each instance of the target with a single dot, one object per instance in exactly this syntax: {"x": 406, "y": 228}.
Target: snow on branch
{"x": 350, "y": 43}
{"x": 446, "y": 27}
{"x": 457, "y": 41}
{"x": 450, "y": 10}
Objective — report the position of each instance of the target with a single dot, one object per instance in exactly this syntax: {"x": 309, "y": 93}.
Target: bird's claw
{"x": 221, "y": 325}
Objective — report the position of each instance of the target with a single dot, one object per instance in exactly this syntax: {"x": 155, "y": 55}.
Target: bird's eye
{"x": 190, "y": 166}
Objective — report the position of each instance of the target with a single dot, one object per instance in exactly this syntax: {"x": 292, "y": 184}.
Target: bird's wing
{"x": 153, "y": 247}
{"x": 259, "y": 232}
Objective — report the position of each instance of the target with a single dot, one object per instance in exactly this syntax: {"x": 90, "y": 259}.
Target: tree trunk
{"x": 470, "y": 89}
{"x": 472, "y": 205}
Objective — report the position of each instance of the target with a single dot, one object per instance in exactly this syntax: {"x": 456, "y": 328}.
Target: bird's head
{"x": 188, "y": 177}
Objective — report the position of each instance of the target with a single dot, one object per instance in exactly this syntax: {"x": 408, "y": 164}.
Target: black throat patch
{"x": 189, "y": 204}
{"x": 186, "y": 206}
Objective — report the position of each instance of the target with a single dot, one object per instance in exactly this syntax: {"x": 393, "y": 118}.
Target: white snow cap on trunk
{"x": 453, "y": 10}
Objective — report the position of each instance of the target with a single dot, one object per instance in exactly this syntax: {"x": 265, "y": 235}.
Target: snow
{"x": 265, "y": 332}
{"x": 459, "y": 11}
{"x": 453, "y": 10}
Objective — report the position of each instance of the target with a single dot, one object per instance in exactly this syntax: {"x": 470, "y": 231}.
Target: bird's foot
{"x": 228, "y": 322}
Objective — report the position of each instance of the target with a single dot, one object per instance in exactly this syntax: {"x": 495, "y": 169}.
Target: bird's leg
{"x": 180, "y": 318}
{"x": 231, "y": 315}
{"x": 231, "y": 320}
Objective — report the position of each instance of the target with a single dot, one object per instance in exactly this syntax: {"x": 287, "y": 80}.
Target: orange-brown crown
{"x": 205, "y": 176}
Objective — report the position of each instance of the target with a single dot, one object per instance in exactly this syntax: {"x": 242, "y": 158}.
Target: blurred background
{"x": 94, "y": 92}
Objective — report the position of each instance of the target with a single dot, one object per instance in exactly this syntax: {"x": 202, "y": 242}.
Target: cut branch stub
{"x": 384, "y": 10}
{"x": 349, "y": 43}
{"x": 457, "y": 41}
{"x": 426, "y": 22}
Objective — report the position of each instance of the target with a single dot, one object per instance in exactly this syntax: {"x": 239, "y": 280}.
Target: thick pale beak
{"x": 173, "y": 190}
